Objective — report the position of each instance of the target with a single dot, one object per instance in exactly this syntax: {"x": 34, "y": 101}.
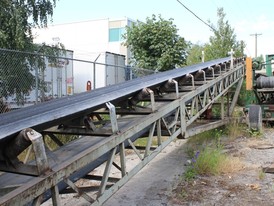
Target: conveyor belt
{"x": 45, "y": 115}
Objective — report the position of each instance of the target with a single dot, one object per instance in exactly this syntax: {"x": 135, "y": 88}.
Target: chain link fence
{"x": 30, "y": 78}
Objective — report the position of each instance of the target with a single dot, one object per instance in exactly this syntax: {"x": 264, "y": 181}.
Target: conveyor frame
{"x": 172, "y": 111}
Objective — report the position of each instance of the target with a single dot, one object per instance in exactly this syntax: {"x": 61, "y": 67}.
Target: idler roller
{"x": 16, "y": 146}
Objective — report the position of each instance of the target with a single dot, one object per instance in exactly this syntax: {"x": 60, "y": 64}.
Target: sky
{"x": 244, "y": 16}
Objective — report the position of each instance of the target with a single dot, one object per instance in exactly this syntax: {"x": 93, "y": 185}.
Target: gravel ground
{"x": 249, "y": 186}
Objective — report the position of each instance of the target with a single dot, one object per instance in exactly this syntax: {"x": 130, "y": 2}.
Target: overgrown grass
{"x": 206, "y": 153}
{"x": 208, "y": 162}
{"x": 206, "y": 138}
{"x": 212, "y": 161}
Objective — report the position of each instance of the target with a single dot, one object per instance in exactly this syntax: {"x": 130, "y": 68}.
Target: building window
{"x": 115, "y": 34}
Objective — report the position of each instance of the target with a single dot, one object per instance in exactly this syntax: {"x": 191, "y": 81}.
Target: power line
{"x": 196, "y": 16}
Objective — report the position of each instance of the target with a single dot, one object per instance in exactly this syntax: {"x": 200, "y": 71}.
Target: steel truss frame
{"x": 166, "y": 117}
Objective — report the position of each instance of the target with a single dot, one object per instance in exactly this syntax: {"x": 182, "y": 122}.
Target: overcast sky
{"x": 245, "y": 16}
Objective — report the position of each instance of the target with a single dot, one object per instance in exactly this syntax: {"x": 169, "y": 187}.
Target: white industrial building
{"x": 91, "y": 40}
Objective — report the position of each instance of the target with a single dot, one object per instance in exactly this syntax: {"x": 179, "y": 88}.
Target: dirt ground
{"x": 161, "y": 182}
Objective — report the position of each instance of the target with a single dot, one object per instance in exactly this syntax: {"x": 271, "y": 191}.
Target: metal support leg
{"x": 37, "y": 201}
{"x": 106, "y": 172}
{"x": 123, "y": 159}
{"x": 113, "y": 118}
{"x": 183, "y": 118}
{"x": 235, "y": 97}
{"x": 55, "y": 196}
{"x": 159, "y": 132}
{"x": 39, "y": 151}
{"x": 227, "y": 104}
{"x": 193, "y": 104}
{"x": 149, "y": 141}
{"x": 222, "y": 108}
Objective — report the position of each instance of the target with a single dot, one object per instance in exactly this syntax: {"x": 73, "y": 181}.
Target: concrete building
{"x": 89, "y": 41}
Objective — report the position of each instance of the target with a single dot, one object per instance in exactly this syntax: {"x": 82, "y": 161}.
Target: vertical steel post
{"x": 222, "y": 108}
{"x": 183, "y": 118}
{"x": 159, "y": 132}
{"x": 55, "y": 196}
{"x": 123, "y": 159}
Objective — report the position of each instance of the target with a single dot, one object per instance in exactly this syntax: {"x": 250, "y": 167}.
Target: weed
{"x": 218, "y": 134}
{"x": 208, "y": 161}
{"x": 230, "y": 165}
{"x": 190, "y": 152}
{"x": 183, "y": 194}
{"x": 207, "y": 157}
{"x": 254, "y": 133}
{"x": 190, "y": 173}
{"x": 235, "y": 129}
{"x": 261, "y": 174}
{"x": 202, "y": 139}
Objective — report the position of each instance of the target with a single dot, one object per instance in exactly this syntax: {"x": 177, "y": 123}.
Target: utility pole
{"x": 255, "y": 42}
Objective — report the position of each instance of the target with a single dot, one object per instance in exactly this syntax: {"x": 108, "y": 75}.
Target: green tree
{"x": 195, "y": 54}
{"x": 223, "y": 40}
{"x": 17, "y": 18}
{"x": 155, "y": 44}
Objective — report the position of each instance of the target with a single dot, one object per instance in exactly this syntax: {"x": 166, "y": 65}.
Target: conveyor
{"x": 108, "y": 121}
